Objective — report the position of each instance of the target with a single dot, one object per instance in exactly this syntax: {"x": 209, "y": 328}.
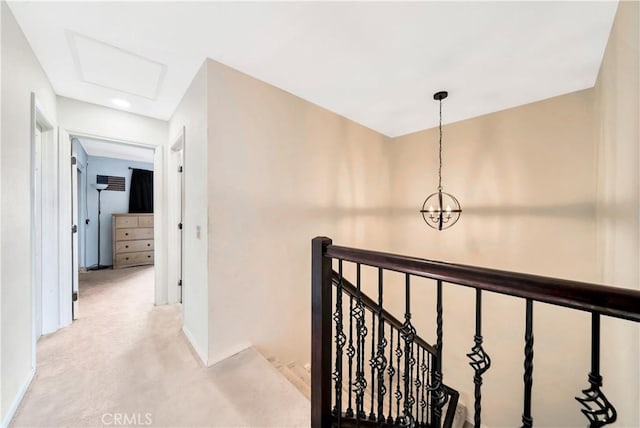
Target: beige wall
{"x": 21, "y": 75}
{"x": 617, "y": 95}
{"x": 281, "y": 171}
{"x": 526, "y": 180}
{"x": 191, "y": 114}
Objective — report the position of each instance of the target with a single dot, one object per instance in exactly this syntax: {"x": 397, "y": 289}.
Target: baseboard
{"x": 16, "y": 403}
{"x": 228, "y": 353}
{"x": 195, "y": 348}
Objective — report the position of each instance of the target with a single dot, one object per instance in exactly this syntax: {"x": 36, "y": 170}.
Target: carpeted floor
{"x": 125, "y": 362}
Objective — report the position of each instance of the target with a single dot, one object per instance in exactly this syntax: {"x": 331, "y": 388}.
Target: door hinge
{"x": 74, "y": 296}
{"x": 179, "y": 283}
{"x": 73, "y": 160}
{"x": 180, "y": 169}
{"x": 74, "y": 228}
{"x": 180, "y": 225}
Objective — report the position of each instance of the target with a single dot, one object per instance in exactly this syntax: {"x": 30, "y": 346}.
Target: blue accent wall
{"x": 112, "y": 203}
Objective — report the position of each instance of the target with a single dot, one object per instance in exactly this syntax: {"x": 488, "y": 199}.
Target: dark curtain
{"x": 141, "y": 192}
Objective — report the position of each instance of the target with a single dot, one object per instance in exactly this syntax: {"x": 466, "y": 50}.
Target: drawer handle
{"x": 148, "y": 257}
{"x": 126, "y": 234}
{"x": 126, "y": 246}
{"x": 148, "y": 245}
{"x": 127, "y": 258}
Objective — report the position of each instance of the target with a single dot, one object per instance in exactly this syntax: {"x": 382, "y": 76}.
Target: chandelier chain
{"x": 440, "y": 152}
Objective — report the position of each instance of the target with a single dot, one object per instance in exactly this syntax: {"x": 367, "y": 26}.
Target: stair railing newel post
{"x": 597, "y": 408}
{"x": 321, "y": 333}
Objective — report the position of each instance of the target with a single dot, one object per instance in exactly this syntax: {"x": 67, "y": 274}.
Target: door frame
{"x": 175, "y": 236}
{"x": 160, "y": 283}
{"x": 41, "y": 119}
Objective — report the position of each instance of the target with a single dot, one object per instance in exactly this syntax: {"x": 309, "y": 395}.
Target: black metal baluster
{"x": 423, "y": 403}
{"x": 429, "y": 373}
{"x": 361, "y": 330}
{"x": 597, "y": 408}
{"x": 398, "y": 392}
{"x": 381, "y": 359}
{"x": 417, "y": 384}
{"x": 391, "y": 371}
{"x": 408, "y": 335}
{"x": 340, "y": 340}
{"x": 438, "y": 393}
{"x": 480, "y": 361}
{"x": 527, "y": 420}
{"x": 351, "y": 351}
{"x": 372, "y": 363}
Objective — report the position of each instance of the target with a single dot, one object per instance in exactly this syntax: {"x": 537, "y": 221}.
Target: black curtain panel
{"x": 141, "y": 193}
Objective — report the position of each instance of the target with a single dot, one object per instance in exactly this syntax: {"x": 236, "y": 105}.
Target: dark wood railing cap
{"x": 613, "y": 301}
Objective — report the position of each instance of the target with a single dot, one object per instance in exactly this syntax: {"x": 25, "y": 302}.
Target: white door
{"x": 37, "y": 231}
{"x": 74, "y": 229}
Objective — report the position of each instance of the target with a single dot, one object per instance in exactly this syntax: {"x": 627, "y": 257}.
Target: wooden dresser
{"x": 132, "y": 240}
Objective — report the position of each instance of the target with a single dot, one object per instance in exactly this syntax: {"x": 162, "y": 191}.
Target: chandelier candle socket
{"x": 440, "y": 210}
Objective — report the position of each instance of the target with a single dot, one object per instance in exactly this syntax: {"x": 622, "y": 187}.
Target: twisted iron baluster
{"x": 372, "y": 362}
{"x": 598, "y": 410}
{"x": 423, "y": 403}
{"x": 417, "y": 384}
{"x": 480, "y": 361}
{"x": 429, "y": 386}
{"x": 361, "y": 330}
{"x": 391, "y": 371}
{"x": 408, "y": 335}
{"x": 527, "y": 420}
{"x": 381, "y": 360}
{"x": 351, "y": 351}
{"x": 438, "y": 394}
{"x": 398, "y": 393}
{"x": 340, "y": 340}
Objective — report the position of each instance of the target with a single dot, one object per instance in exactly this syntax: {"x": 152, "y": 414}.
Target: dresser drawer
{"x": 126, "y": 221}
{"x": 139, "y": 258}
{"x": 133, "y": 234}
{"x": 132, "y": 246}
{"x": 145, "y": 221}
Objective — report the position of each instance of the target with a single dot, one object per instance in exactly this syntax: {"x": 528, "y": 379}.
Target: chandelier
{"x": 440, "y": 210}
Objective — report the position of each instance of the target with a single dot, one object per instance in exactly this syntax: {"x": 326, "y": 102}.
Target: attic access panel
{"x": 113, "y": 183}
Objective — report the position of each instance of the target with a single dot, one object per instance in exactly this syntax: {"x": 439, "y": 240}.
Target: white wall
{"x": 85, "y": 119}
{"x": 617, "y": 99}
{"x": 82, "y": 203}
{"x": 280, "y": 171}
{"x": 21, "y": 75}
{"x": 112, "y": 202}
{"x": 191, "y": 114}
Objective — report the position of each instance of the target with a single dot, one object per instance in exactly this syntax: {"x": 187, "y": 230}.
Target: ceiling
{"x": 376, "y": 63}
{"x": 111, "y": 149}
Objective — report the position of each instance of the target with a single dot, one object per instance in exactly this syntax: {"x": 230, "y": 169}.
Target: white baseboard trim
{"x": 192, "y": 342}
{"x": 230, "y": 352}
{"x": 16, "y": 403}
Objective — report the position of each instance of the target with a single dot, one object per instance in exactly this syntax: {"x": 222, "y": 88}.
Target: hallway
{"x": 125, "y": 356}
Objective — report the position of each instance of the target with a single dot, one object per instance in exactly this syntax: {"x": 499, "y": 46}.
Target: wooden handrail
{"x": 613, "y": 301}
{"x": 368, "y": 302}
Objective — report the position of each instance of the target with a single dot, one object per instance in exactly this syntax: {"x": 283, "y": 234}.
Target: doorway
{"x": 112, "y": 233}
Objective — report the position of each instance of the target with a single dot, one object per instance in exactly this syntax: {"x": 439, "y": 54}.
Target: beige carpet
{"x": 125, "y": 362}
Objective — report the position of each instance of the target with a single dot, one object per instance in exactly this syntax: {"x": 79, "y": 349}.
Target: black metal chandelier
{"x": 441, "y": 210}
